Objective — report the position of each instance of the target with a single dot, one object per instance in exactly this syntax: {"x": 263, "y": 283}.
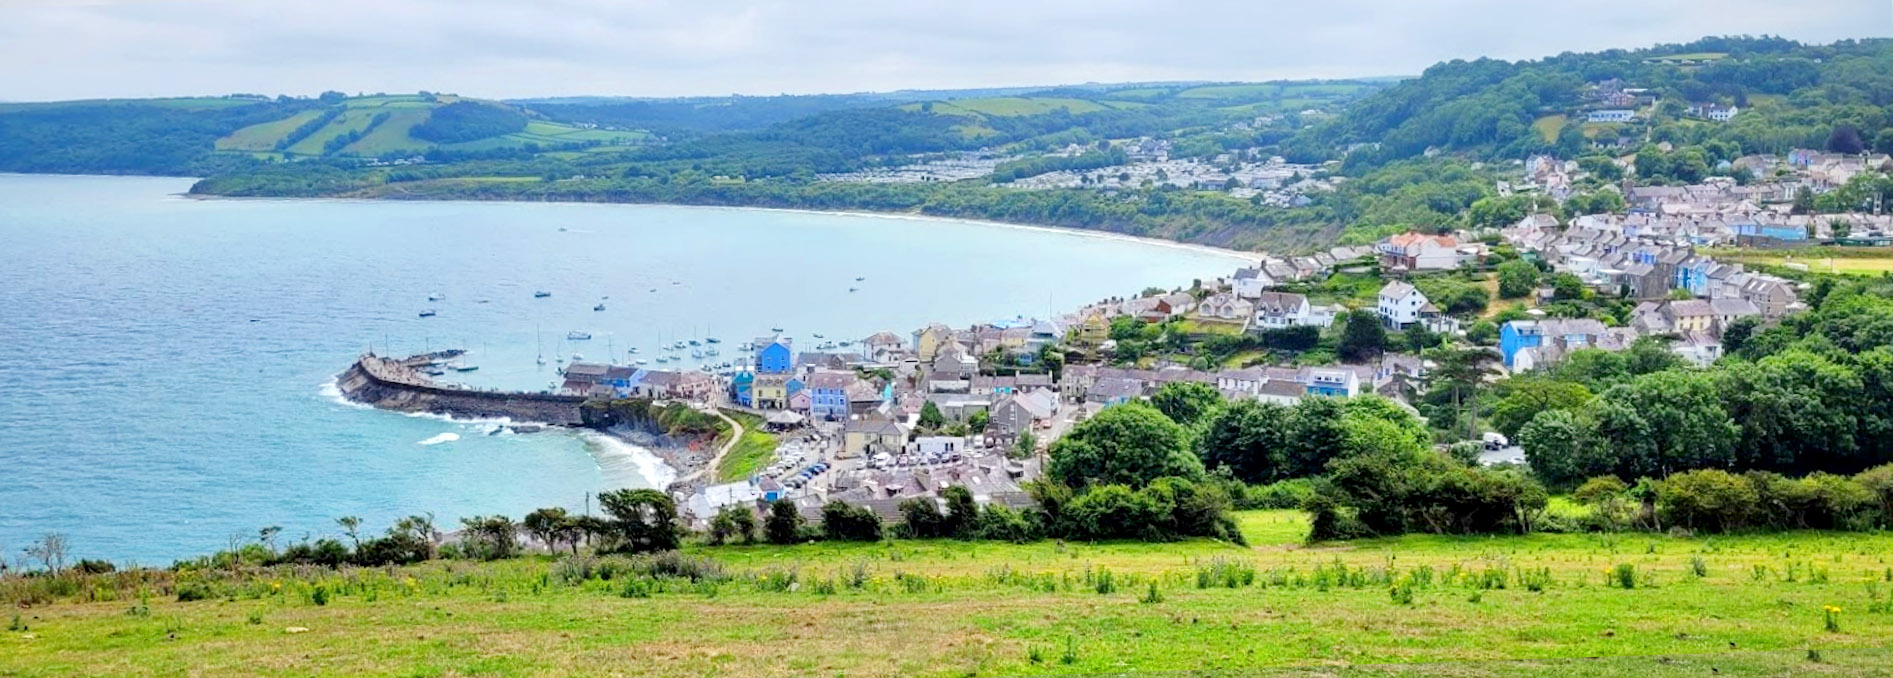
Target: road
{"x": 736, "y": 435}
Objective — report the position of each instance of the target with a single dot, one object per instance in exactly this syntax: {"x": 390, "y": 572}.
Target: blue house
{"x": 1330, "y": 382}
{"x": 1519, "y": 334}
{"x": 774, "y": 356}
{"x": 1774, "y": 231}
{"x": 743, "y": 389}
{"x": 828, "y": 395}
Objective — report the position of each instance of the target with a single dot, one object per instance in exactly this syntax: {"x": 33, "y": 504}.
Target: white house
{"x": 1612, "y": 115}
{"x": 1226, "y": 306}
{"x": 1401, "y": 304}
{"x": 1279, "y": 310}
{"x": 1250, "y": 283}
{"x": 1419, "y": 252}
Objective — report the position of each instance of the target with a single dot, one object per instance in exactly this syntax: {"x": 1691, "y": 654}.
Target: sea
{"x": 167, "y": 363}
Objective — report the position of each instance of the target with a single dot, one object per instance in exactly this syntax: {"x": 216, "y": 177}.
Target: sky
{"x": 66, "y": 49}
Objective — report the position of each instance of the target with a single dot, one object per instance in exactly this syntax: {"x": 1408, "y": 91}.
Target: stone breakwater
{"x": 390, "y": 384}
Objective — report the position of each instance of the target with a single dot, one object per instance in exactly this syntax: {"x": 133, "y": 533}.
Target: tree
{"x": 641, "y": 520}
{"x": 962, "y": 514}
{"x": 1798, "y": 412}
{"x": 930, "y": 417}
{"x": 1130, "y": 444}
{"x": 490, "y": 537}
{"x": 1665, "y": 422}
{"x": 550, "y": 526}
{"x": 1846, "y": 139}
{"x": 977, "y": 421}
{"x": 1251, "y": 439}
{"x": 1024, "y": 446}
{"x": 1185, "y": 402}
{"x": 1560, "y": 448}
{"x": 1463, "y": 369}
{"x": 842, "y": 522}
{"x": 1567, "y": 287}
{"x": 351, "y": 526}
{"x": 1362, "y": 336}
{"x": 420, "y": 527}
{"x": 1483, "y": 333}
{"x": 1517, "y": 278}
{"x": 785, "y": 523}
{"x": 50, "y": 550}
{"x": 1737, "y": 333}
{"x": 733, "y": 524}
{"x": 1525, "y": 396}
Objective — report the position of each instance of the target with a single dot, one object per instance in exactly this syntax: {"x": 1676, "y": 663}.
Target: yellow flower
{"x": 1831, "y": 608}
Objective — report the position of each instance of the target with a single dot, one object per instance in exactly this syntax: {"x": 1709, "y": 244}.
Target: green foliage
{"x": 639, "y": 521}
{"x": 1362, "y": 336}
{"x": 733, "y": 524}
{"x": 1186, "y": 402}
{"x": 1130, "y": 444}
{"x": 1517, "y": 278}
{"x": 784, "y": 525}
{"x": 843, "y": 522}
{"x": 468, "y": 121}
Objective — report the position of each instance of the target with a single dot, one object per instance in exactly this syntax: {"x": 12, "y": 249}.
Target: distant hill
{"x": 1791, "y": 95}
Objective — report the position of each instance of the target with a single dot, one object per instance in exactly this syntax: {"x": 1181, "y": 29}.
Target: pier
{"x": 395, "y": 384}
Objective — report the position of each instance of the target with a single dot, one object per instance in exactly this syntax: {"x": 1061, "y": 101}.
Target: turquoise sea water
{"x": 163, "y": 360}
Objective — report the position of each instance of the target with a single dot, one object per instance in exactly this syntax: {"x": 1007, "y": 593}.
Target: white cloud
{"x": 51, "y": 49}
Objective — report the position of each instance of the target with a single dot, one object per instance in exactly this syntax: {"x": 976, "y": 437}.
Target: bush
{"x": 785, "y": 523}
{"x": 1286, "y": 494}
{"x": 193, "y": 590}
{"x": 1707, "y": 499}
{"x": 921, "y": 519}
{"x": 733, "y": 524}
{"x": 842, "y": 522}
{"x": 997, "y": 522}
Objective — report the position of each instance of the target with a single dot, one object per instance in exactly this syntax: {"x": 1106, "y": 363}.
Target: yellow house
{"x": 1691, "y": 315}
{"x": 1092, "y": 332}
{"x": 929, "y": 341}
{"x": 866, "y": 437}
{"x": 771, "y": 391}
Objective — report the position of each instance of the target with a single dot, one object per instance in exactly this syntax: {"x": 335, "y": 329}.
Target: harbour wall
{"x": 391, "y": 385}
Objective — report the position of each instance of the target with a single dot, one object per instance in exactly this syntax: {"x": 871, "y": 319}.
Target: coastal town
{"x": 882, "y": 419}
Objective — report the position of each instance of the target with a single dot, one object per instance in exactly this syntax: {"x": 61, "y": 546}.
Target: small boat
{"x": 561, "y": 229}
{"x": 642, "y": 361}
{"x": 576, "y": 335}
{"x": 818, "y": 335}
{"x": 599, "y": 307}
{"x": 429, "y": 313}
{"x": 433, "y": 371}
{"x": 436, "y": 297}
{"x": 541, "y": 294}
{"x": 466, "y": 368}
{"x": 713, "y": 340}
{"x": 860, "y": 278}
{"x": 577, "y": 357}
{"x": 854, "y": 289}
{"x": 542, "y": 360}
{"x": 673, "y": 282}
{"x": 775, "y": 329}
{"x": 693, "y": 342}
{"x": 679, "y": 346}
{"x": 710, "y": 351}
{"x": 696, "y": 354}
{"x": 653, "y": 289}
{"x": 634, "y": 349}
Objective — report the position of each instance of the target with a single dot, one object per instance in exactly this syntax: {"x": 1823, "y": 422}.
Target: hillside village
{"x": 891, "y": 417}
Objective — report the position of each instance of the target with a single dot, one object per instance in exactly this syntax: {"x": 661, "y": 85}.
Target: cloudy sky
{"x": 58, "y": 49}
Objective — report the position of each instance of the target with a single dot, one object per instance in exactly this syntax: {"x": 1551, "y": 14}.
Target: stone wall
{"x": 386, "y": 384}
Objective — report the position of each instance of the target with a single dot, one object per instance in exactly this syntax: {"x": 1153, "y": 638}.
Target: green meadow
{"x": 1809, "y": 603}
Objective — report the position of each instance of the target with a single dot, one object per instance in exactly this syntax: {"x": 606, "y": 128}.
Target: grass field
{"x": 752, "y": 452}
{"x": 351, "y": 120}
{"x": 1009, "y": 106}
{"x": 391, "y": 136}
{"x": 1423, "y": 605}
{"x": 1549, "y": 126}
{"x": 263, "y": 136}
{"x": 1846, "y": 260}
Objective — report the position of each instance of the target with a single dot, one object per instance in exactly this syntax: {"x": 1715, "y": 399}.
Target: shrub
{"x": 1707, "y": 499}
{"x": 998, "y": 522}
{"x": 785, "y": 523}
{"x": 1286, "y": 494}
{"x": 193, "y": 590}
{"x": 733, "y": 524}
{"x": 842, "y": 522}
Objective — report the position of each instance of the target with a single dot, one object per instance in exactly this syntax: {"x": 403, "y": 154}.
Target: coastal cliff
{"x": 390, "y": 385}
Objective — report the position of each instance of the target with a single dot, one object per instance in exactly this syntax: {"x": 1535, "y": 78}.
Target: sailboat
{"x": 538, "y": 344}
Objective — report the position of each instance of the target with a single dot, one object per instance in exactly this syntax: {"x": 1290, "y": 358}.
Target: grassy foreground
{"x": 1500, "y": 606}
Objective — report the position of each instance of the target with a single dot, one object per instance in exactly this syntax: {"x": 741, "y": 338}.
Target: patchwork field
{"x": 1573, "y": 605}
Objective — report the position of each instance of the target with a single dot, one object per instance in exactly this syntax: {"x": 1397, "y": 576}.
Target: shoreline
{"x": 1246, "y": 256}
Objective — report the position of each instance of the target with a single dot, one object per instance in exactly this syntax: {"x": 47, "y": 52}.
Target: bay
{"x": 166, "y": 362}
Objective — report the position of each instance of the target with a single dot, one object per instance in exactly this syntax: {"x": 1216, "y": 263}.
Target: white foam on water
{"x": 442, "y": 438}
{"x": 626, "y": 465}
{"x": 332, "y": 391}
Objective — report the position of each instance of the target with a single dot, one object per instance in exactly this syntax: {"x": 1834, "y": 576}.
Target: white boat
{"x": 642, "y": 361}
{"x": 577, "y": 357}
{"x": 576, "y": 335}
{"x": 710, "y": 351}
{"x": 436, "y": 297}
{"x": 696, "y": 354}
